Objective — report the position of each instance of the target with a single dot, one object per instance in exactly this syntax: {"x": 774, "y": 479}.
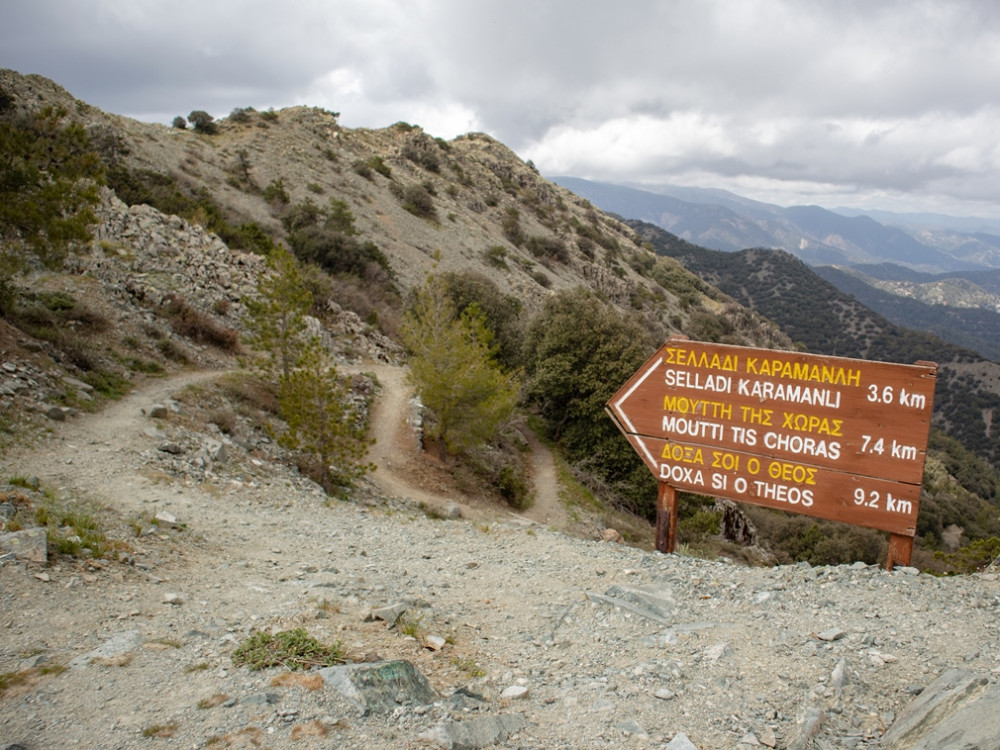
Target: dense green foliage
{"x": 203, "y": 122}
{"x": 453, "y": 368}
{"x": 971, "y": 328}
{"x": 577, "y": 352}
{"x": 277, "y": 315}
{"x": 327, "y": 237}
{"x": 324, "y": 428}
{"x": 49, "y": 175}
{"x": 292, "y": 649}
{"x": 501, "y": 312}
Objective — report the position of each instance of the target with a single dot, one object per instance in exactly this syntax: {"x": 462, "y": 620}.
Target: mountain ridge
{"x": 814, "y": 234}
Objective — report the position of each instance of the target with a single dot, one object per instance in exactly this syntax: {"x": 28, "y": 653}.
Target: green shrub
{"x": 194, "y": 324}
{"x": 240, "y": 114}
{"x": 292, "y": 649}
{"x": 203, "y": 122}
{"x": 496, "y": 256}
{"x": 541, "y": 279}
{"x": 362, "y": 168}
{"x": 180, "y": 123}
{"x": 378, "y": 164}
{"x": 549, "y": 248}
{"x": 511, "y": 225}
{"x": 275, "y": 192}
{"x": 418, "y": 201}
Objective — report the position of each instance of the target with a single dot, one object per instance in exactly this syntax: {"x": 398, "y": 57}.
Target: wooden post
{"x": 900, "y": 549}
{"x": 666, "y": 518}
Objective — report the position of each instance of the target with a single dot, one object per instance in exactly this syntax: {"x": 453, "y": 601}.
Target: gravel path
{"x": 567, "y": 643}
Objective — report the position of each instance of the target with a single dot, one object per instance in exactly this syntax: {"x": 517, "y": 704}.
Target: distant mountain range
{"x": 721, "y": 220}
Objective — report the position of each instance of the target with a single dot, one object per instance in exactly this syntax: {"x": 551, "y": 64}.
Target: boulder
{"x": 380, "y": 687}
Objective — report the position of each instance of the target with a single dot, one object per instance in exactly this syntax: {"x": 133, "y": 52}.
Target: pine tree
{"x": 453, "y": 368}
{"x": 315, "y": 403}
{"x": 313, "y": 400}
{"x": 278, "y": 315}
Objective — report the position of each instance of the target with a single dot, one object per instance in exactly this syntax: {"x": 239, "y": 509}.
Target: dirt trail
{"x": 80, "y": 452}
{"x": 404, "y": 471}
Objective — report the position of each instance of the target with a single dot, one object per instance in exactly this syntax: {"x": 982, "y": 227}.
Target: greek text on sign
{"x": 831, "y": 437}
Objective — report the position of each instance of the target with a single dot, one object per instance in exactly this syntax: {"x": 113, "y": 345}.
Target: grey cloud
{"x": 842, "y": 92}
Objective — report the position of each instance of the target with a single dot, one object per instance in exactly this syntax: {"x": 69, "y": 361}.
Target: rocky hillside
{"x": 154, "y": 530}
{"x": 469, "y": 203}
{"x": 478, "y": 630}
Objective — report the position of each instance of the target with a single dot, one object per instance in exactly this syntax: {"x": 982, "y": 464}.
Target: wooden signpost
{"x": 831, "y": 437}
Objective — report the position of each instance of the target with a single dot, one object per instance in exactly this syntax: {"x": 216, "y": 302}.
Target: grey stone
{"x": 261, "y": 699}
{"x": 681, "y": 742}
{"x": 833, "y": 634}
{"x": 838, "y": 678}
{"x": 514, "y": 692}
{"x": 389, "y": 614}
{"x": 808, "y": 724}
{"x": 632, "y": 727}
{"x": 453, "y": 511}
{"x": 659, "y": 640}
{"x": 715, "y": 652}
{"x": 476, "y": 733}
{"x": 165, "y": 519}
{"x": 956, "y": 711}
{"x": 78, "y": 384}
{"x": 32, "y": 662}
{"x": 158, "y": 411}
{"x": 122, "y": 643}
{"x": 217, "y": 451}
{"x": 653, "y": 602}
{"x": 170, "y": 447}
{"x": 380, "y": 687}
{"x": 26, "y": 544}
{"x": 56, "y": 413}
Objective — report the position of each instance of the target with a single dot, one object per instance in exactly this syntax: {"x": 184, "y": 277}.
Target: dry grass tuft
{"x": 308, "y": 680}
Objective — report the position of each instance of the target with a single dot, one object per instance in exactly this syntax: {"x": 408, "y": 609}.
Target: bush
{"x": 419, "y": 202}
{"x": 337, "y": 252}
{"x": 202, "y": 122}
{"x": 548, "y": 248}
{"x": 292, "y": 649}
{"x": 275, "y": 192}
{"x": 362, "y": 168}
{"x": 511, "y": 225}
{"x": 180, "y": 123}
{"x": 196, "y": 325}
{"x": 423, "y": 151}
{"x": 240, "y": 114}
{"x": 378, "y": 164}
{"x": 496, "y": 256}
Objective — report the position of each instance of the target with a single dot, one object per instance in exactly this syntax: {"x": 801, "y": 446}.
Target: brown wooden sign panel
{"x": 831, "y": 437}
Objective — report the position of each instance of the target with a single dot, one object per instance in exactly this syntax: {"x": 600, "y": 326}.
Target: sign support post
{"x": 666, "y": 518}
{"x": 900, "y": 550}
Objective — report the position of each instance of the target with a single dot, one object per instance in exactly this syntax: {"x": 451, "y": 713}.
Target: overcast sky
{"x": 862, "y": 103}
